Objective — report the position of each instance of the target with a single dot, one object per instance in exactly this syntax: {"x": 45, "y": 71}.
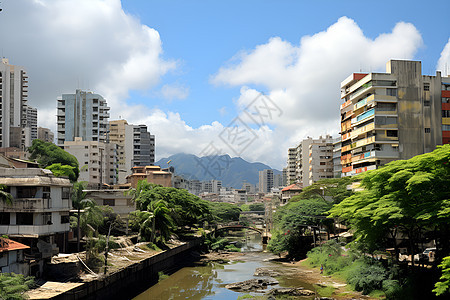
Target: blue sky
{"x": 206, "y": 34}
{"x": 187, "y": 69}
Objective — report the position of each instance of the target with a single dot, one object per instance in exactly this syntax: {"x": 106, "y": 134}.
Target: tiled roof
{"x": 292, "y": 187}
{"x": 10, "y": 245}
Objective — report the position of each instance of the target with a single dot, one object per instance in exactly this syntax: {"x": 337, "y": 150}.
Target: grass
{"x": 326, "y": 291}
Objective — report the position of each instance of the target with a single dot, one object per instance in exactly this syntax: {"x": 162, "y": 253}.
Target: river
{"x": 208, "y": 281}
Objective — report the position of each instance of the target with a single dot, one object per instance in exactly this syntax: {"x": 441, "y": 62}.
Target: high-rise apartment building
{"x": 97, "y": 161}
{"x": 15, "y": 129}
{"x": 136, "y": 146}
{"x": 337, "y": 167}
{"x": 291, "y": 166}
{"x": 83, "y": 114}
{"x": 392, "y": 115}
{"x": 32, "y": 122}
{"x": 313, "y": 160}
{"x": 265, "y": 181}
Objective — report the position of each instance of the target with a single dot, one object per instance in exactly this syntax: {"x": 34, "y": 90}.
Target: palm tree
{"x": 142, "y": 186}
{"x": 161, "y": 221}
{"x": 5, "y": 197}
{"x": 79, "y": 202}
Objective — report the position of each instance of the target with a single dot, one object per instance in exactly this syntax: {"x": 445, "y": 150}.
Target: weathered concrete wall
{"x": 128, "y": 282}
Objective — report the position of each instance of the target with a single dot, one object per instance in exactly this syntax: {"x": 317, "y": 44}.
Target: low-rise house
{"x": 290, "y": 191}
{"x": 12, "y": 258}
{"x": 152, "y": 174}
{"x": 117, "y": 199}
{"x": 39, "y": 214}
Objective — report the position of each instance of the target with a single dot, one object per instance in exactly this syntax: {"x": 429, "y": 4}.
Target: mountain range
{"x": 231, "y": 171}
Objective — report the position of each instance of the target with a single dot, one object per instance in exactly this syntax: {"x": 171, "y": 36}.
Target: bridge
{"x": 265, "y": 235}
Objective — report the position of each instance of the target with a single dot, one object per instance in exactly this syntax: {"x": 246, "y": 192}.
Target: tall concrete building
{"x": 291, "y": 166}
{"x": 392, "y": 115}
{"x": 136, "y": 146}
{"x": 97, "y": 161}
{"x": 32, "y": 122}
{"x": 313, "y": 160}
{"x": 265, "y": 181}
{"x": 15, "y": 129}
{"x": 83, "y": 114}
{"x": 337, "y": 167}
{"x": 45, "y": 135}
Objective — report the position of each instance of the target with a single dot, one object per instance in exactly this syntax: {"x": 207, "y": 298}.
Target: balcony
{"x": 365, "y": 169}
{"x": 33, "y": 230}
{"x": 366, "y": 155}
{"x": 27, "y": 205}
{"x": 363, "y": 142}
{"x": 364, "y": 116}
{"x": 345, "y": 104}
{"x": 356, "y": 132}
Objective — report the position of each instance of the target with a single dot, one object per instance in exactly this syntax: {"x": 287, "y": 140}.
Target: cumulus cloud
{"x": 304, "y": 79}
{"x": 88, "y": 44}
{"x": 443, "y": 64}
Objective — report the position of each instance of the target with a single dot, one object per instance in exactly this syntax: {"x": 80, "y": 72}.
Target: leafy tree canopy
{"x": 411, "y": 196}
{"x": 224, "y": 212}
{"x": 334, "y": 190}
{"x": 48, "y": 154}
{"x": 257, "y": 207}
{"x": 63, "y": 170}
{"x": 13, "y": 286}
{"x": 443, "y": 286}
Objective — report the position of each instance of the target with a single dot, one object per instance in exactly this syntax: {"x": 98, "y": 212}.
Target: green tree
{"x": 5, "y": 197}
{"x": 63, "y": 170}
{"x": 333, "y": 190}
{"x": 13, "y": 286}
{"x": 224, "y": 212}
{"x": 79, "y": 202}
{"x": 257, "y": 207}
{"x": 48, "y": 154}
{"x": 408, "y": 196}
{"x": 443, "y": 286}
{"x": 297, "y": 219}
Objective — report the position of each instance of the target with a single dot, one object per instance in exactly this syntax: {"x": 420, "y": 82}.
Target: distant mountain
{"x": 231, "y": 171}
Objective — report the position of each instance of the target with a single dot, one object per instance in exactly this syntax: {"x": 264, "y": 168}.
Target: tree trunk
{"x": 78, "y": 231}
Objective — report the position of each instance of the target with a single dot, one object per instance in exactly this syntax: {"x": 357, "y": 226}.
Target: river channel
{"x": 208, "y": 281}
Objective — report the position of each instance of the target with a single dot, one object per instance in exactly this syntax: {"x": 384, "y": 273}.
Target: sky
{"x": 246, "y": 78}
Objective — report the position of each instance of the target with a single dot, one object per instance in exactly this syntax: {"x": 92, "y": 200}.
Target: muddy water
{"x": 208, "y": 282}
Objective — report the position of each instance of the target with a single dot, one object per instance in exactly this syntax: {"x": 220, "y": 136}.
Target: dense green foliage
{"x": 294, "y": 220}
{"x": 63, "y": 170}
{"x": 13, "y": 286}
{"x": 161, "y": 210}
{"x": 333, "y": 190}
{"x": 48, "y": 154}
{"x": 224, "y": 212}
{"x": 443, "y": 285}
{"x": 411, "y": 197}
{"x": 257, "y": 207}
{"x": 5, "y": 197}
{"x": 363, "y": 273}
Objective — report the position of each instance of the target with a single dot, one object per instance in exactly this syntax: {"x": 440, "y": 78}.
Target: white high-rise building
{"x": 83, "y": 114}
{"x": 15, "y": 129}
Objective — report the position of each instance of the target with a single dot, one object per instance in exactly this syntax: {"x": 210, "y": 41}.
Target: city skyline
{"x": 187, "y": 70}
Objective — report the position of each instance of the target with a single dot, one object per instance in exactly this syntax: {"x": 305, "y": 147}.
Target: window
{"x": 86, "y": 147}
{"x": 47, "y": 218}
{"x": 446, "y": 113}
{"x": 4, "y": 218}
{"x": 65, "y": 219}
{"x": 24, "y": 218}
{"x": 426, "y": 87}
{"x": 65, "y": 193}
{"x": 109, "y": 202}
{"x": 26, "y": 191}
{"x": 391, "y": 92}
{"x": 426, "y": 103}
{"x": 427, "y": 130}
{"x": 392, "y": 133}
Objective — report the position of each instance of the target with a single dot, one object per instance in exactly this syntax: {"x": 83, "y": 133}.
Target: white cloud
{"x": 174, "y": 91}
{"x": 88, "y": 44}
{"x": 444, "y": 61}
{"x": 304, "y": 79}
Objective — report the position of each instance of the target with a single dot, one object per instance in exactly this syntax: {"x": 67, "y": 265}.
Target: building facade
{"x": 392, "y": 115}
{"x": 15, "y": 130}
{"x": 83, "y": 114}
{"x": 97, "y": 161}
{"x": 265, "y": 181}
{"x": 291, "y": 166}
{"x": 135, "y": 145}
{"x": 39, "y": 214}
{"x": 46, "y": 135}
